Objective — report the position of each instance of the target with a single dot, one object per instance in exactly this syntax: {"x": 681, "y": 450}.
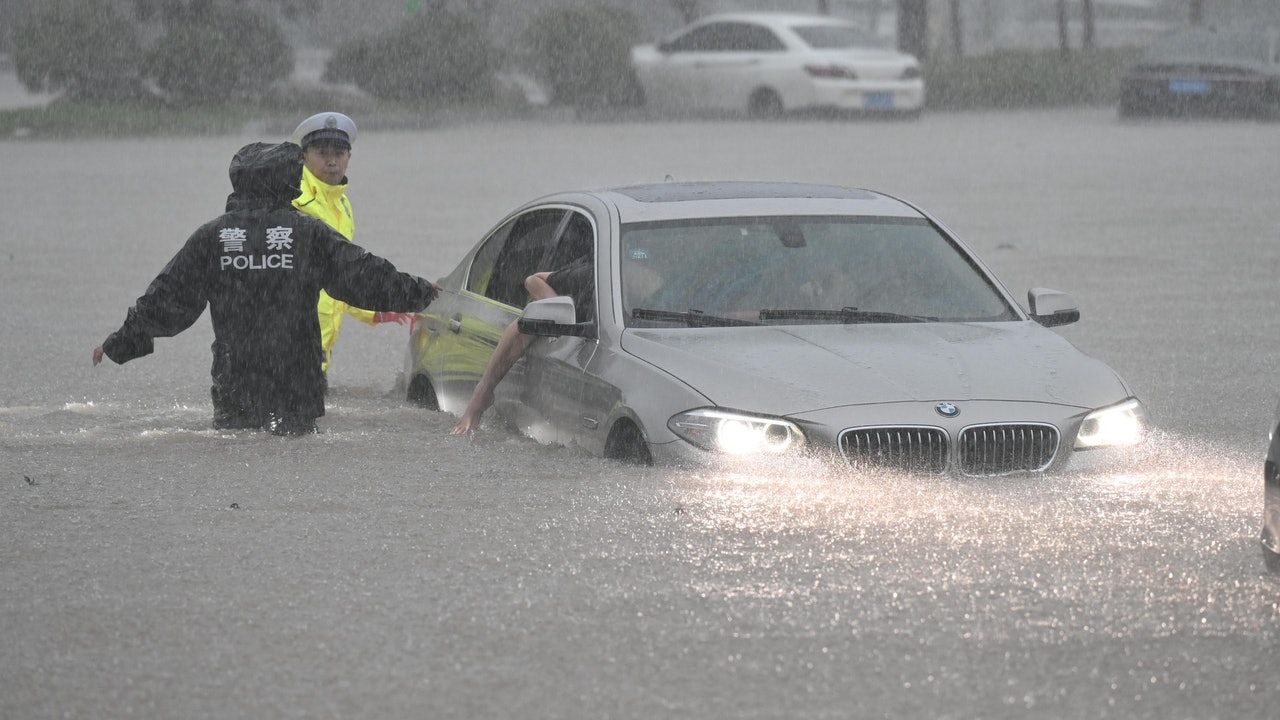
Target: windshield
{"x": 800, "y": 270}
{"x": 837, "y": 37}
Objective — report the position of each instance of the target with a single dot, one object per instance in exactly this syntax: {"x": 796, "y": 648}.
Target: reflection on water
{"x": 780, "y": 589}
{"x": 1057, "y": 557}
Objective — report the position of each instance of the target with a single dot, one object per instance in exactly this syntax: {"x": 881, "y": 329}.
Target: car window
{"x": 837, "y": 37}
{"x": 575, "y": 246}
{"x": 575, "y": 241}
{"x": 736, "y": 267}
{"x": 512, "y": 253}
{"x": 1206, "y": 44}
{"x": 727, "y": 37}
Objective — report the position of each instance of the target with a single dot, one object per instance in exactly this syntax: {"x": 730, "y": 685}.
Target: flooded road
{"x": 386, "y": 569}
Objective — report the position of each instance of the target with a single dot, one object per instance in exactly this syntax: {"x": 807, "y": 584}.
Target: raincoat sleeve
{"x": 358, "y": 277}
{"x": 365, "y": 316}
{"x": 173, "y": 301}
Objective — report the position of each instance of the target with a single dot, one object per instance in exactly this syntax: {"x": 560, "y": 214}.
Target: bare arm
{"x": 537, "y": 286}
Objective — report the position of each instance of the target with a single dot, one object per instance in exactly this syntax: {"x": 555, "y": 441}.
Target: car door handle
{"x": 455, "y": 324}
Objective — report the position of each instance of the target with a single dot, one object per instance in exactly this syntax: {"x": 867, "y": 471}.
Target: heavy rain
{"x": 385, "y": 568}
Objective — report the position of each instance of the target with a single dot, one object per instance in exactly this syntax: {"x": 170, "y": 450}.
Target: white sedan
{"x": 770, "y": 63}
{"x": 761, "y": 319}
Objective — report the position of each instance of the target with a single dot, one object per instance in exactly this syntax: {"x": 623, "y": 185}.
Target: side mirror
{"x": 664, "y": 47}
{"x": 1052, "y": 308}
{"x": 553, "y": 317}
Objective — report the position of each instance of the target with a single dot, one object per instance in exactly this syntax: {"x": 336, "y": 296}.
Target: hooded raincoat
{"x": 259, "y": 268}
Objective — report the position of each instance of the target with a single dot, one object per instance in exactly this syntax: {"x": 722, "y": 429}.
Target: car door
{"x": 544, "y": 392}
{"x": 674, "y": 76}
{"x": 491, "y": 298}
{"x": 734, "y": 67}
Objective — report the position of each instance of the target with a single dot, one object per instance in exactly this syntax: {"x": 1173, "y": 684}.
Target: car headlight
{"x": 736, "y": 433}
{"x": 1120, "y": 424}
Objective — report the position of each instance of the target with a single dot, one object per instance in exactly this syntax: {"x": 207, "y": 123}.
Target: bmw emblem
{"x": 946, "y": 409}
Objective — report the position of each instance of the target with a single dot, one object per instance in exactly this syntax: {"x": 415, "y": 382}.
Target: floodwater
{"x": 151, "y": 567}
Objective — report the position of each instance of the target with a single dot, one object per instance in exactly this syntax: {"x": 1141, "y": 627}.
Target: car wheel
{"x": 765, "y": 104}
{"x": 626, "y": 443}
{"x": 1271, "y": 560}
{"x": 1131, "y": 107}
{"x": 630, "y": 93}
{"x": 422, "y": 394}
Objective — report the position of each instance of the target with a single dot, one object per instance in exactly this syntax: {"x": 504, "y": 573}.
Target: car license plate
{"x": 877, "y": 101}
{"x": 1189, "y": 87}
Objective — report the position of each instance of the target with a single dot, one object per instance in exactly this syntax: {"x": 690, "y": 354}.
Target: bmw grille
{"x": 980, "y": 450}
{"x": 913, "y": 449}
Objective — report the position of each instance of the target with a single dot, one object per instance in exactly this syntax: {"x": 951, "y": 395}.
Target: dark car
{"x": 1271, "y": 500}
{"x": 1206, "y": 72}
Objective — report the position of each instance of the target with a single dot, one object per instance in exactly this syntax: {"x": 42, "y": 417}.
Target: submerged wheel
{"x": 1270, "y": 560}
{"x": 765, "y": 104}
{"x": 422, "y": 394}
{"x": 626, "y": 443}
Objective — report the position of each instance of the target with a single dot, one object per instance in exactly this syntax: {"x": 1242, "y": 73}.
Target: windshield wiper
{"x": 692, "y": 318}
{"x": 847, "y": 316}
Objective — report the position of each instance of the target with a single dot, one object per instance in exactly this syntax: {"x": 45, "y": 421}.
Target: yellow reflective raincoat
{"x": 329, "y": 203}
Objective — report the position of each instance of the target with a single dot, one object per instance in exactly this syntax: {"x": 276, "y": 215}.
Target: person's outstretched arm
{"x": 173, "y": 301}
{"x": 511, "y": 346}
{"x": 360, "y": 278}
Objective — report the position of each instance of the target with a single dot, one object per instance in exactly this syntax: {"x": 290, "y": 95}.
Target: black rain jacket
{"x": 260, "y": 268}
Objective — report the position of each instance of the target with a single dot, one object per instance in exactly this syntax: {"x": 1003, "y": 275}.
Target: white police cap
{"x": 331, "y": 126}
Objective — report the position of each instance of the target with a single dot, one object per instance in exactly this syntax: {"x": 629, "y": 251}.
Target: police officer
{"x": 325, "y": 139}
{"x": 259, "y": 267}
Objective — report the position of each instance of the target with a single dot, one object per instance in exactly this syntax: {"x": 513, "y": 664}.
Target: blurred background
{"x": 252, "y": 58}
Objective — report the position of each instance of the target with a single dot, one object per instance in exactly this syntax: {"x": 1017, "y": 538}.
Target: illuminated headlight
{"x": 1120, "y": 424}
{"x": 735, "y": 433}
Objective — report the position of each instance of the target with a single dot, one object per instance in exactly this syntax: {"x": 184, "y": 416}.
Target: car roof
{"x": 691, "y": 200}
{"x": 780, "y": 18}
{"x": 1250, "y": 44}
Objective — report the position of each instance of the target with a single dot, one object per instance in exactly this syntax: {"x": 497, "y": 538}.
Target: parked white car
{"x": 768, "y": 64}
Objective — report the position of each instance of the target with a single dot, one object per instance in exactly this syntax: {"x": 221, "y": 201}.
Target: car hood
{"x": 795, "y": 369}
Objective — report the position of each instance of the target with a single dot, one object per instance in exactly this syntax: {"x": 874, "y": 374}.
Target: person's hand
{"x": 389, "y": 317}
{"x": 97, "y": 355}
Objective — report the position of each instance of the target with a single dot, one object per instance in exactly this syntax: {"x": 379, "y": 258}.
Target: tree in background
{"x": 583, "y": 53}
{"x": 85, "y": 49}
{"x": 208, "y": 50}
{"x": 1087, "y": 32}
{"x": 435, "y": 56}
{"x": 688, "y": 9}
{"x": 214, "y": 54}
{"x": 913, "y": 27}
{"x": 176, "y": 12}
{"x": 1086, "y": 20}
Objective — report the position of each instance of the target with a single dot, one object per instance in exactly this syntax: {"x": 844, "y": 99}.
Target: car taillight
{"x": 911, "y": 73}
{"x": 831, "y": 71}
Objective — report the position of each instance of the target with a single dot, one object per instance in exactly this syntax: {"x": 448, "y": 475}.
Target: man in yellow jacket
{"x": 325, "y": 139}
